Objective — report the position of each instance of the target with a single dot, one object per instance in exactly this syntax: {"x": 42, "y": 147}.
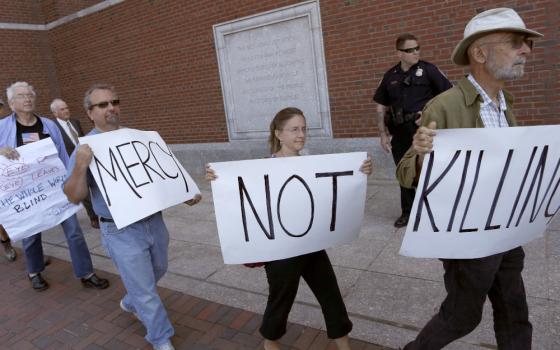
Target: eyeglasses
{"x": 296, "y": 130}
{"x": 105, "y": 104}
{"x": 515, "y": 42}
{"x": 24, "y": 96}
{"x": 411, "y": 50}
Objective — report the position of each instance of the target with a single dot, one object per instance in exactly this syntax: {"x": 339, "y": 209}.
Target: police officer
{"x": 401, "y": 95}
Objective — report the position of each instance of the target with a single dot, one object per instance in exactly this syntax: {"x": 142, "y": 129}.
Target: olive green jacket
{"x": 458, "y": 107}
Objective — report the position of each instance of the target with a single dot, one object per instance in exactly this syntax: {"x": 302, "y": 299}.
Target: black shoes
{"x": 38, "y": 283}
{"x": 95, "y": 282}
{"x": 9, "y": 251}
{"x": 402, "y": 221}
{"x": 94, "y": 222}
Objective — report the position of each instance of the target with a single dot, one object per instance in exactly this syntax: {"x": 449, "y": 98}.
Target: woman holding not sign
{"x": 287, "y": 139}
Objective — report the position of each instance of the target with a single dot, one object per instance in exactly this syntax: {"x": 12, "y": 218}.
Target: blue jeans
{"x": 79, "y": 253}
{"x": 139, "y": 251}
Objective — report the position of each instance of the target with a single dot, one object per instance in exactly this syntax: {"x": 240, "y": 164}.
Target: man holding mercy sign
{"x": 138, "y": 245}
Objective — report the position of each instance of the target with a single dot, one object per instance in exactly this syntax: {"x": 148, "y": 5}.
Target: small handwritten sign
{"x": 31, "y": 197}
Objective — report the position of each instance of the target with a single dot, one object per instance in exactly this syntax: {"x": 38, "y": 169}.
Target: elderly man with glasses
{"x": 400, "y": 96}
{"x": 495, "y": 46}
{"x": 21, "y": 127}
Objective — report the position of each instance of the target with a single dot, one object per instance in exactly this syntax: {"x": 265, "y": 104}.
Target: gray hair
{"x": 18, "y": 84}
{"x": 98, "y": 86}
{"x": 55, "y": 103}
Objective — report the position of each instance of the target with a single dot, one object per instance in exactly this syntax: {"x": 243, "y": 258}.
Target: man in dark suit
{"x": 71, "y": 130}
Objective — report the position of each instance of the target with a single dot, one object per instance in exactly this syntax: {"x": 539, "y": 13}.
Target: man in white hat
{"x": 495, "y": 46}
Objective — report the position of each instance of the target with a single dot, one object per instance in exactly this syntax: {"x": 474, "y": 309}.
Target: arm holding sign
{"x": 76, "y": 187}
{"x": 367, "y": 166}
{"x": 197, "y": 198}
{"x": 422, "y": 143}
{"x": 443, "y": 112}
{"x": 9, "y": 153}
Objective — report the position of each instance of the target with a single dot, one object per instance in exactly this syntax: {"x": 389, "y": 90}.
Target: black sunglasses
{"x": 410, "y": 50}
{"x": 105, "y": 104}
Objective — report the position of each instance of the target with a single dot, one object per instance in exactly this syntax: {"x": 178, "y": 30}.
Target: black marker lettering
{"x": 128, "y": 166}
{"x": 243, "y": 190}
{"x": 475, "y": 181}
{"x": 521, "y": 187}
{"x": 489, "y": 226}
{"x": 112, "y": 174}
{"x": 335, "y": 192}
{"x": 145, "y": 161}
{"x": 427, "y": 189}
{"x": 312, "y": 206}
{"x": 459, "y": 191}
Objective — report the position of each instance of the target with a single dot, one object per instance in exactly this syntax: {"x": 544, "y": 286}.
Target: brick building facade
{"x": 160, "y": 54}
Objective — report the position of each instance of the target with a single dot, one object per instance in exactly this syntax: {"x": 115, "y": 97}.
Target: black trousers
{"x": 283, "y": 281}
{"x": 468, "y": 282}
{"x": 400, "y": 143}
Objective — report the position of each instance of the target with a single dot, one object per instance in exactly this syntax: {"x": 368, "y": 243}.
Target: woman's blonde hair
{"x": 280, "y": 119}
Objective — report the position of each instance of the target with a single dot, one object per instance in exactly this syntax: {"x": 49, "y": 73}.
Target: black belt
{"x": 102, "y": 219}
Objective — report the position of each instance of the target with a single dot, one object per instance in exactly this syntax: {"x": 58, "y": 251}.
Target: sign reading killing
{"x": 270, "y": 209}
{"x": 31, "y": 197}
{"x": 137, "y": 174}
{"x": 484, "y": 191}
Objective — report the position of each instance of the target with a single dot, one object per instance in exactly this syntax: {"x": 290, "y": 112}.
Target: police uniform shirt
{"x": 412, "y": 89}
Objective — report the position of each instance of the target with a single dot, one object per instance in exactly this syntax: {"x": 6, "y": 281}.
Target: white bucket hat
{"x": 495, "y": 20}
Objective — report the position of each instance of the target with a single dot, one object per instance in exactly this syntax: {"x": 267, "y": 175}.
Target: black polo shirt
{"x": 410, "y": 90}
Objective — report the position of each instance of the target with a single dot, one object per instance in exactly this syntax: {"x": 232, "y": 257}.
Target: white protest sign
{"x": 137, "y": 174}
{"x": 276, "y": 208}
{"x": 484, "y": 191}
{"x": 31, "y": 197}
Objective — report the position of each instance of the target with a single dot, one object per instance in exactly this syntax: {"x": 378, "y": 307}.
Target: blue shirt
{"x": 97, "y": 200}
{"x": 8, "y": 136}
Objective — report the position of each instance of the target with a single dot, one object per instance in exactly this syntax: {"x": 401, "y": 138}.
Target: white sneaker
{"x": 166, "y": 346}
{"x": 125, "y": 309}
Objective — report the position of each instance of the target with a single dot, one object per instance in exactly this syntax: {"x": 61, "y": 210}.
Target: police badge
{"x": 419, "y": 72}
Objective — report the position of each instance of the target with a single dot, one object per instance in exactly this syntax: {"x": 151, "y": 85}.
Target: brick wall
{"x": 55, "y": 9}
{"x": 161, "y": 57}
{"x": 27, "y": 56}
{"x": 21, "y": 11}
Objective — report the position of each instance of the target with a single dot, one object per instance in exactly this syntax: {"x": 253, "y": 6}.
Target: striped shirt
{"x": 492, "y": 115}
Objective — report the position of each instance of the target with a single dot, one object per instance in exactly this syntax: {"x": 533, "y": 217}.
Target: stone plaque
{"x": 271, "y": 61}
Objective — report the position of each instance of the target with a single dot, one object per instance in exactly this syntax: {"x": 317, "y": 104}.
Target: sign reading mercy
{"x": 137, "y": 174}
{"x": 484, "y": 191}
{"x": 276, "y": 208}
{"x": 31, "y": 197}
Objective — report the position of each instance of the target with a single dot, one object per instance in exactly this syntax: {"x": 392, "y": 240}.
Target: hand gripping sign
{"x": 276, "y": 208}
{"x": 137, "y": 174}
{"x": 31, "y": 197}
{"x": 484, "y": 191}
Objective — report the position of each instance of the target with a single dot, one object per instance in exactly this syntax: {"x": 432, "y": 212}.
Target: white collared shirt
{"x": 492, "y": 115}
{"x": 65, "y": 127}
